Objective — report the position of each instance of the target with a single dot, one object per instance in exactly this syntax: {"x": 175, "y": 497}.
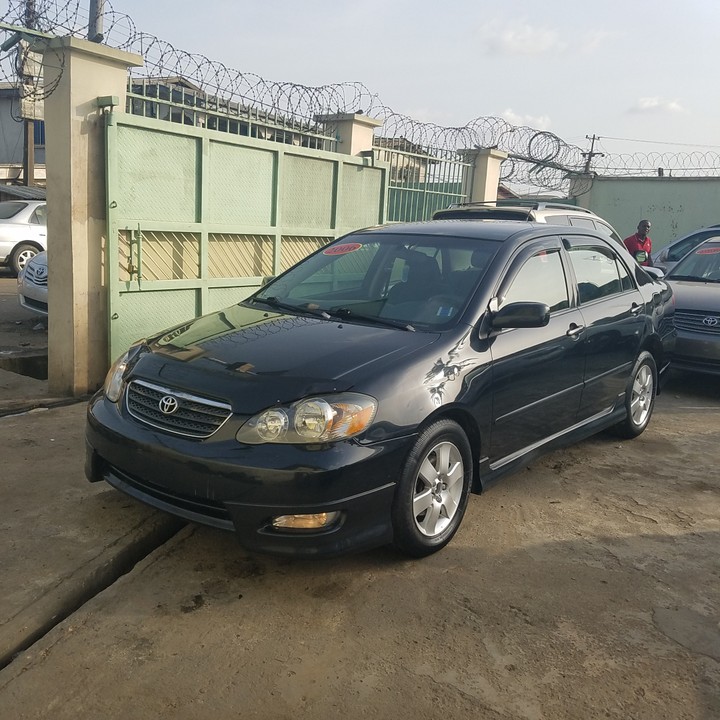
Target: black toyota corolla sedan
{"x": 357, "y": 399}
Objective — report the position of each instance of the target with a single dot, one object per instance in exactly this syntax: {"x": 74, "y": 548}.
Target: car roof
{"x": 692, "y": 233}
{"x": 485, "y": 229}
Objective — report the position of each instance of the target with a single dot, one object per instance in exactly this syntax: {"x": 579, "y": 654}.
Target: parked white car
{"x": 23, "y": 232}
{"x": 32, "y": 284}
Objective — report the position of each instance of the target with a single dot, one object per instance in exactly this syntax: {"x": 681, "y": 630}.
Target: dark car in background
{"x": 666, "y": 258}
{"x": 357, "y": 399}
{"x": 695, "y": 281}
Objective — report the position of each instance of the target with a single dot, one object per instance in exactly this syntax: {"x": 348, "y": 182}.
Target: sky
{"x": 640, "y": 74}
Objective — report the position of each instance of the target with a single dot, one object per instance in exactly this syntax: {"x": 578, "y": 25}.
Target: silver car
{"x": 23, "y": 232}
{"x": 553, "y": 213}
{"x": 695, "y": 281}
{"x": 32, "y": 285}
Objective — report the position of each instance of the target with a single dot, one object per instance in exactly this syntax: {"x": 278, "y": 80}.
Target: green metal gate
{"x": 197, "y": 218}
{"x": 422, "y": 181}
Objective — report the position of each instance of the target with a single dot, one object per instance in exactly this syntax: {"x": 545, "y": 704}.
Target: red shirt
{"x": 639, "y": 248}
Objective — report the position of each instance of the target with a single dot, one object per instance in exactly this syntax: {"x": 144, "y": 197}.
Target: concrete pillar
{"x": 76, "y": 72}
{"x": 486, "y": 172}
{"x": 354, "y": 131}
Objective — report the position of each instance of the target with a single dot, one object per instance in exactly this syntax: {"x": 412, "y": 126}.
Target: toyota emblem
{"x": 710, "y": 321}
{"x": 168, "y": 405}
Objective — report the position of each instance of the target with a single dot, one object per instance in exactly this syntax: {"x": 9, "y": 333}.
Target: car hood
{"x": 691, "y": 295}
{"x": 254, "y": 358}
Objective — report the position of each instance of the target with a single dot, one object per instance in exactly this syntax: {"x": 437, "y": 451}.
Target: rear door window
{"x": 598, "y": 271}
{"x": 605, "y": 229}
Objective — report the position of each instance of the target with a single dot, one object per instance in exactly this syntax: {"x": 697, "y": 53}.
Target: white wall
{"x": 674, "y": 206}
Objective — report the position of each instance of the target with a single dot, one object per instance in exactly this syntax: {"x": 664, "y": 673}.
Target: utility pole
{"x": 30, "y": 21}
{"x": 590, "y": 155}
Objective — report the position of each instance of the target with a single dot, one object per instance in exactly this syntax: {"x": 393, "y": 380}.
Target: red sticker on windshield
{"x": 342, "y": 249}
{"x": 708, "y": 251}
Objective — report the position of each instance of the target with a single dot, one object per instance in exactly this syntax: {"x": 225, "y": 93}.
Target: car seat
{"x": 423, "y": 276}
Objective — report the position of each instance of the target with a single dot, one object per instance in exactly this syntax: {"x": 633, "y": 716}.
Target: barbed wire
{"x": 536, "y": 158}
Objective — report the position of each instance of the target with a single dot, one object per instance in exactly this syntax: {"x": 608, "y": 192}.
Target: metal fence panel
{"x": 421, "y": 182}
{"x": 197, "y": 219}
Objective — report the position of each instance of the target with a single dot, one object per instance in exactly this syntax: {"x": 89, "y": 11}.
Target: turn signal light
{"x": 314, "y": 521}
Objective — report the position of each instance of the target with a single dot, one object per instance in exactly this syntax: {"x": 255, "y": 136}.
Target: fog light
{"x": 305, "y": 522}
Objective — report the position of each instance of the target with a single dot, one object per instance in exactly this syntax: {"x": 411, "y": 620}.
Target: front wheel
{"x": 639, "y": 397}
{"x": 433, "y": 490}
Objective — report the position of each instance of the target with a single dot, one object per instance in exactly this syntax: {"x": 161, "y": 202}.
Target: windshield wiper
{"x": 347, "y": 314}
{"x": 278, "y": 304}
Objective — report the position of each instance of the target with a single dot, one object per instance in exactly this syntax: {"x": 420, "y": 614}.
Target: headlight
{"x": 113, "y": 386}
{"x": 311, "y": 420}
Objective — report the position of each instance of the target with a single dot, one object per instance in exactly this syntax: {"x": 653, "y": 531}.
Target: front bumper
{"x": 696, "y": 352}
{"x": 242, "y": 488}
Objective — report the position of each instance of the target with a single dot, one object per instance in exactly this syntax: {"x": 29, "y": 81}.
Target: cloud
{"x": 520, "y": 39}
{"x": 655, "y": 105}
{"x": 541, "y": 122}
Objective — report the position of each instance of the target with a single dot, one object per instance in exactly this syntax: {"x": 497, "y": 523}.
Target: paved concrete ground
{"x": 586, "y": 586}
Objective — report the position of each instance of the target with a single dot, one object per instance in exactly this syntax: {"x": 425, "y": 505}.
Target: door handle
{"x": 635, "y": 308}
{"x": 574, "y": 330}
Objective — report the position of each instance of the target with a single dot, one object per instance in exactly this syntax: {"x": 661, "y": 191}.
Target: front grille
{"x": 32, "y": 276}
{"x": 193, "y": 417}
{"x": 698, "y": 321}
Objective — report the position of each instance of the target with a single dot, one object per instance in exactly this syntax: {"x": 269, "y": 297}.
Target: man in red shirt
{"x": 639, "y": 245}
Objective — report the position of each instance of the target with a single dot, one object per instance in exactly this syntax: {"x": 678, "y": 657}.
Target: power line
{"x": 657, "y": 142}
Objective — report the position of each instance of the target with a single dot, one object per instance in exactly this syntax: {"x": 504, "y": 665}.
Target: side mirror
{"x": 521, "y": 315}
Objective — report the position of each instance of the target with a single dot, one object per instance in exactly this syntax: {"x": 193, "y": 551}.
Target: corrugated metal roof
{"x": 24, "y": 192}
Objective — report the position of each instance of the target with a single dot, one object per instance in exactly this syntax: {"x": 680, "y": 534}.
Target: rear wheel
{"x": 432, "y": 493}
{"x": 639, "y": 397}
{"x": 21, "y": 255}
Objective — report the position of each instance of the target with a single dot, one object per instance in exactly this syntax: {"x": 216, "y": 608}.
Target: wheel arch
{"x": 34, "y": 243}
{"x": 653, "y": 345}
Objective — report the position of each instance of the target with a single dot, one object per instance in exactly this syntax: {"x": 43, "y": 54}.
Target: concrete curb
{"x": 83, "y": 583}
{"x": 18, "y": 406}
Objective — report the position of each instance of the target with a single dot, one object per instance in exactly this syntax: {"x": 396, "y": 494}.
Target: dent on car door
{"x": 537, "y": 372}
{"x": 613, "y": 311}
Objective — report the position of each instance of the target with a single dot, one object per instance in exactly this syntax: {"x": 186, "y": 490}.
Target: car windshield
{"x": 404, "y": 281}
{"x": 701, "y": 265}
{"x": 10, "y": 209}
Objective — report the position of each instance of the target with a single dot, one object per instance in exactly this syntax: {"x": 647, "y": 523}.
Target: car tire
{"x": 432, "y": 494}
{"x": 639, "y": 397}
{"x": 21, "y": 255}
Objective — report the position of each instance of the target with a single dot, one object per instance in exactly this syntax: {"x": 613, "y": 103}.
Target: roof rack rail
{"x": 531, "y": 204}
